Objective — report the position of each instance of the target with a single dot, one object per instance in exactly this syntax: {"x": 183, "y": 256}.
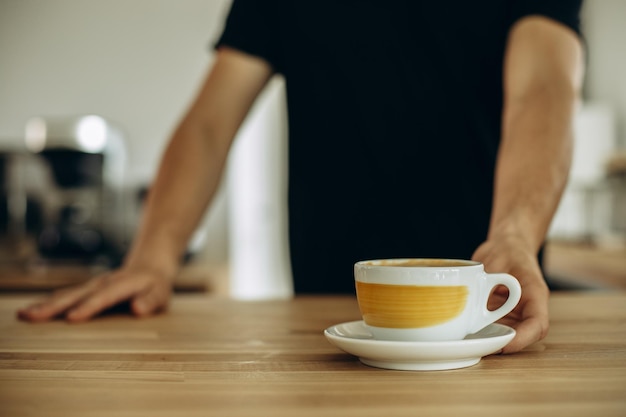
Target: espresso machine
{"x": 83, "y": 201}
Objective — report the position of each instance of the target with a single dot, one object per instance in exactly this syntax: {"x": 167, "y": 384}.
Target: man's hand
{"x": 147, "y": 292}
{"x": 530, "y": 319}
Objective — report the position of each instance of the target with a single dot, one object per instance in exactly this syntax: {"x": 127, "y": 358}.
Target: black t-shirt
{"x": 394, "y": 112}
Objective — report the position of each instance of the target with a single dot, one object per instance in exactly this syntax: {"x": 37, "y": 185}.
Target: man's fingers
{"x": 59, "y": 302}
{"x": 109, "y": 293}
{"x": 532, "y": 327}
{"x": 147, "y": 292}
{"x": 528, "y": 332}
{"x": 151, "y": 301}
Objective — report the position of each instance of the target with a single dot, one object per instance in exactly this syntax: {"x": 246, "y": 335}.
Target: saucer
{"x": 354, "y": 338}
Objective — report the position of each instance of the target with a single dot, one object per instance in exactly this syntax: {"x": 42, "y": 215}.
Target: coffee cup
{"x": 429, "y": 299}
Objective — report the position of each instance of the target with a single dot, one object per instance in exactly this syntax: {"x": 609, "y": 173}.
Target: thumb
{"x": 149, "y": 302}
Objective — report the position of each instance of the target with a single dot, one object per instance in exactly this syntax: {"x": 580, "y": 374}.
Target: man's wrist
{"x": 520, "y": 229}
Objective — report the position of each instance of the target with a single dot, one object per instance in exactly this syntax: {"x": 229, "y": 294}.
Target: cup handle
{"x": 515, "y": 293}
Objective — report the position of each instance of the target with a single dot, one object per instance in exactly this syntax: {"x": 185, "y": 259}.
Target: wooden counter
{"x": 193, "y": 277}
{"x": 585, "y": 266}
{"x": 211, "y": 356}
{"x": 22, "y": 270}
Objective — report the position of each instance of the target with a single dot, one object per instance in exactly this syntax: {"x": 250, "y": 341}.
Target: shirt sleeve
{"x": 566, "y": 12}
{"x": 252, "y": 26}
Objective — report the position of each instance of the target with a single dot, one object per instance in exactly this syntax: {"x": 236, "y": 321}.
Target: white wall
{"x": 604, "y": 25}
{"x": 588, "y": 209}
{"x": 136, "y": 62}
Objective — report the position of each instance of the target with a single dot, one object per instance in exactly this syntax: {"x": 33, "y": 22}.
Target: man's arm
{"x": 187, "y": 179}
{"x": 543, "y": 74}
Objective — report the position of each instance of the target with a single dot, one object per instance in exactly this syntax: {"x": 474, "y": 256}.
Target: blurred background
{"x": 90, "y": 91}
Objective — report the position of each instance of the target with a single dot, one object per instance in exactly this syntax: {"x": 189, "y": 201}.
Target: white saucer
{"x": 354, "y": 338}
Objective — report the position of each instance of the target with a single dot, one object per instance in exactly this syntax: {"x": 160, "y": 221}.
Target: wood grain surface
{"x": 210, "y": 356}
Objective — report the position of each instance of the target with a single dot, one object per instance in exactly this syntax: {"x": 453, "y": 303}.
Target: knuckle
{"x": 545, "y": 328}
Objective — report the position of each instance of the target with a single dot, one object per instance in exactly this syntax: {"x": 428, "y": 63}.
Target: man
{"x": 417, "y": 129}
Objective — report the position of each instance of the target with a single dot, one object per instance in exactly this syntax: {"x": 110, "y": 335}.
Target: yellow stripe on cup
{"x": 409, "y": 306}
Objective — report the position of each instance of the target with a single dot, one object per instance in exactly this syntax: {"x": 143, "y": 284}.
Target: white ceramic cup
{"x": 429, "y": 299}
